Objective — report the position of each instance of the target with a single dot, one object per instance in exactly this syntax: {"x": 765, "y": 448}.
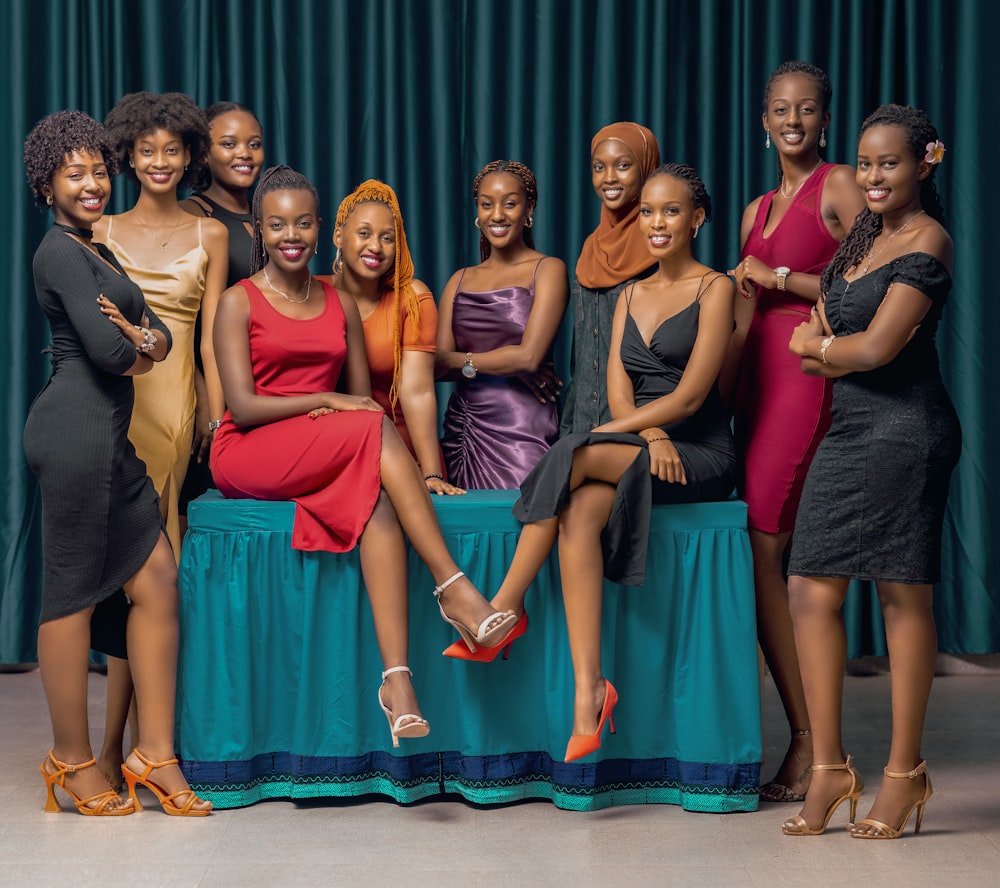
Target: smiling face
{"x": 501, "y": 209}
{"x": 237, "y": 153}
{"x": 795, "y": 114}
{"x": 80, "y": 189}
{"x": 887, "y": 172}
{"x": 367, "y": 240}
{"x": 667, "y": 216}
{"x": 159, "y": 158}
{"x": 290, "y": 228}
{"x": 616, "y": 175}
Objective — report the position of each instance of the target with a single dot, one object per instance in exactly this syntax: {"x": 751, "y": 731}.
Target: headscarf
{"x": 402, "y": 271}
{"x": 614, "y": 253}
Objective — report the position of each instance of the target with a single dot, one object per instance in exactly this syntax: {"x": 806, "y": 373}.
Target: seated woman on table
{"x": 496, "y": 327}
{"x": 374, "y": 267}
{"x": 282, "y": 340}
{"x": 668, "y": 441}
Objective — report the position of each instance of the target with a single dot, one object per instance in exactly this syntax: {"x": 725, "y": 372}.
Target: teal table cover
{"x": 279, "y": 670}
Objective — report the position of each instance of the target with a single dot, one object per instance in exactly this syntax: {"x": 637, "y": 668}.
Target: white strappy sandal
{"x": 417, "y": 726}
{"x": 492, "y": 631}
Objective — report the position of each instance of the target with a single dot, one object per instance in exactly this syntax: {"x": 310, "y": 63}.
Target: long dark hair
{"x": 276, "y": 178}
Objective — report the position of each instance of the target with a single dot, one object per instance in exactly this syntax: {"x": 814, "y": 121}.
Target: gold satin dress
{"x": 163, "y": 418}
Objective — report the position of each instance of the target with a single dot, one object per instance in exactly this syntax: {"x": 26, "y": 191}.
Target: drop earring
{"x": 694, "y": 236}
{"x": 822, "y": 138}
{"x": 338, "y": 262}
{"x": 767, "y": 141}
{"x": 529, "y": 222}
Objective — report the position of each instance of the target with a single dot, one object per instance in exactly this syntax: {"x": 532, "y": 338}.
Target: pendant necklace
{"x": 307, "y": 288}
{"x": 872, "y": 253}
{"x": 163, "y": 244}
{"x": 805, "y": 179}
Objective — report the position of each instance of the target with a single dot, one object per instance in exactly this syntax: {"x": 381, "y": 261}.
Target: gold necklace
{"x": 162, "y": 244}
{"x": 308, "y": 289}
{"x": 805, "y": 179}
{"x": 872, "y": 253}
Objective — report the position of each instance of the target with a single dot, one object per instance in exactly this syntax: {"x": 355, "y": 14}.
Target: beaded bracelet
{"x": 148, "y": 340}
{"x": 651, "y": 440}
{"x": 428, "y": 477}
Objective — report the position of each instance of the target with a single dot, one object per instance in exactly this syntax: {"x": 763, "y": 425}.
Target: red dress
{"x": 781, "y": 413}
{"x": 329, "y": 465}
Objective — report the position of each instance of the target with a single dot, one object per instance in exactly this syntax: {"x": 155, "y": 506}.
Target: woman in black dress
{"x": 101, "y": 529}
{"x": 874, "y": 498}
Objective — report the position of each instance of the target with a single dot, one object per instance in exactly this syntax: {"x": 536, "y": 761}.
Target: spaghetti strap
{"x": 458, "y": 286}
{"x": 703, "y": 289}
{"x": 535, "y": 272}
{"x": 199, "y": 231}
{"x": 628, "y": 298}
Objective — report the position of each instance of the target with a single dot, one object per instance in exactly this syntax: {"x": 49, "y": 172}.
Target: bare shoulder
{"x": 213, "y": 231}
{"x": 419, "y": 287}
{"x": 935, "y": 241}
{"x": 194, "y": 206}
{"x": 841, "y": 177}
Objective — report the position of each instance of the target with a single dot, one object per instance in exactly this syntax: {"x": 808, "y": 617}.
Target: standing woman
{"x": 101, "y": 533}
{"x": 496, "y": 327}
{"x": 181, "y": 264}
{"x": 622, "y": 156}
{"x": 788, "y": 235}
{"x": 374, "y": 267}
{"x": 874, "y": 500}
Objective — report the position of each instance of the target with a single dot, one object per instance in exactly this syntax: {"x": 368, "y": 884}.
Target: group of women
{"x": 819, "y": 342}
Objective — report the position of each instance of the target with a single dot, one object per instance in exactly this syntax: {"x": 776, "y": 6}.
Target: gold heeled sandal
{"x": 93, "y": 806}
{"x": 884, "y": 830}
{"x": 417, "y": 727}
{"x": 167, "y": 800}
{"x": 491, "y": 632}
{"x": 797, "y": 825}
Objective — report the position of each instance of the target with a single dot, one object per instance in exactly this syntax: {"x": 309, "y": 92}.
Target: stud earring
{"x": 476, "y": 223}
{"x": 822, "y": 138}
{"x": 338, "y": 262}
{"x": 767, "y": 141}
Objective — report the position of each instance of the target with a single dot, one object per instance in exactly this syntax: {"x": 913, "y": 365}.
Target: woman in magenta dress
{"x": 788, "y": 235}
{"x": 496, "y": 324}
{"x": 283, "y": 340}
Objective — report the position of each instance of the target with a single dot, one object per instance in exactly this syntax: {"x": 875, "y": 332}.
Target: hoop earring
{"x": 476, "y": 223}
{"x": 338, "y": 262}
{"x": 767, "y": 141}
{"x": 48, "y": 199}
{"x": 822, "y": 138}
{"x": 529, "y": 222}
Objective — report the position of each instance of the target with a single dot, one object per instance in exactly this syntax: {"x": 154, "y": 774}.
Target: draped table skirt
{"x": 279, "y": 670}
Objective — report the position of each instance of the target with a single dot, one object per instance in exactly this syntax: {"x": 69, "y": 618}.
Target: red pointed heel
{"x": 581, "y": 745}
{"x": 460, "y": 650}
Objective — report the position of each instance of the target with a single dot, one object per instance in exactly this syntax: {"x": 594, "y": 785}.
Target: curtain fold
{"x": 423, "y": 93}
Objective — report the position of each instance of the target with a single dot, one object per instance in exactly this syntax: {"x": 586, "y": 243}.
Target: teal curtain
{"x": 422, "y": 93}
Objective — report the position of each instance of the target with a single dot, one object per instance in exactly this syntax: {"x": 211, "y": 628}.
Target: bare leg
{"x": 912, "y": 640}
{"x": 63, "y": 653}
{"x": 152, "y": 645}
{"x": 581, "y": 565}
{"x": 777, "y": 641}
{"x": 119, "y": 706}
{"x": 821, "y": 643}
{"x": 383, "y": 564}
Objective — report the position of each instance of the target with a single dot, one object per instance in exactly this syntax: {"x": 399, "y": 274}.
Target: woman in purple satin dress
{"x": 496, "y": 324}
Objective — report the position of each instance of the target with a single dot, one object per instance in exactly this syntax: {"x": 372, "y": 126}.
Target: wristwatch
{"x": 214, "y": 425}
{"x": 782, "y": 272}
{"x": 469, "y": 370}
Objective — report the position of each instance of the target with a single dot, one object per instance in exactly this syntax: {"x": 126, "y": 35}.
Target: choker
{"x": 85, "y": 233}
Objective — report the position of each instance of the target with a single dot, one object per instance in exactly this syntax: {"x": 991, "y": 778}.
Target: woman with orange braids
{"x": 374, "y": 267}
{"x": 496, "y": 326}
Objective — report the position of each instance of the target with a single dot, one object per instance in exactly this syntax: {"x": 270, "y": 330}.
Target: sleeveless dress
{"x": 495, "y": 429}
{"x": 703, "y": 440}
{"x": 781, "y": 414}
{"x": 100, "y": 512}
{"x": 874, "y": 499}
{"x": 163, "y": 419}
{"x": 330, "y": 466}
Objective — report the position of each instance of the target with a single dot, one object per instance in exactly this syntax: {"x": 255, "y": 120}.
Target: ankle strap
{"x": 62, "y": 766}
{"x": 907, "y": 775}
{"x": 396, "y": 669}
{"x": 846, "y": 766}
{"x": 439, "y": 589}
{"x": 803, "y": 733}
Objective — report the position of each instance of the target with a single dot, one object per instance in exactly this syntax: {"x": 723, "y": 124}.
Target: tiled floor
{"x": 445, "y": 843}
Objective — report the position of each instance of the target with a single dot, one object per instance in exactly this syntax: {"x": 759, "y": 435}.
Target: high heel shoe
{"x": 411, "y": 730}
{"x": 490, "y": 631}
{"x": 884, "y": 830}
{"x": 166, "y": 800}
{"x": 584, "y": 744}
{"x": 93, "y": 806}
{"x": 797, "y": 826}
{"x": 460, "y": 650}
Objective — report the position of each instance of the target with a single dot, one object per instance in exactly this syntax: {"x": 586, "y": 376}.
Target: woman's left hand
{"x": 665, "y": 461}
{"x": 111, "y": 312}
{"x": 804, "y": 332}
{"x": 441, "y": 487}
{"x": 543, "y": 383}
{"x": 751, "y": 273}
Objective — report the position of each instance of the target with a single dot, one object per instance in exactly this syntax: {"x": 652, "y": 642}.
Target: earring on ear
{"x": 767, "y": 141}
{"x": 48, "y": 199}
{"x": 694, "y": 236}
{"x": 185, "y": 168}
{"x": 338, "y": 262}
{"x": 529, "y": 222}
{"x": 476, "y": 223}
{"x": 822, "y": 138}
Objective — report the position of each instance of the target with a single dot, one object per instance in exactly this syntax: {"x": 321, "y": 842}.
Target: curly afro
{"x": 139, "y": 113}
{"x": 57, "y": 136}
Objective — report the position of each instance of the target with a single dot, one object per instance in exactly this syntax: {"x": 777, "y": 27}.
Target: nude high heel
{"x": 884, "y": 830}
{"x": 460, "y": 650}
{"x": 417, "y": 727}
{"x": 797, "y": 826}
{"x": 93, "y": 806}
{"x": 490, "y": 632}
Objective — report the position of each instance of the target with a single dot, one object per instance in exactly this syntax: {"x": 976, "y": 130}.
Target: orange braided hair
{"x": 372, "y": 190}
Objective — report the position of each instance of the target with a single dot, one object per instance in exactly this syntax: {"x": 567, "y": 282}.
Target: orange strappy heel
{"x": 167, "y": 800}
{"x": 93, "y": 806}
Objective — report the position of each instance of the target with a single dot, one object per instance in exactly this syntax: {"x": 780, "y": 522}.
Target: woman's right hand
{"x": 665, "y": 461}
{"x": 336, "y": 401}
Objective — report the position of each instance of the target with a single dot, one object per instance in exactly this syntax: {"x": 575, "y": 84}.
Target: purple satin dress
{"x": 495, "y": 429}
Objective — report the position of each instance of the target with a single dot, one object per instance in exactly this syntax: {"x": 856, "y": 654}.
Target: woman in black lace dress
{"x": 874, "y": 498}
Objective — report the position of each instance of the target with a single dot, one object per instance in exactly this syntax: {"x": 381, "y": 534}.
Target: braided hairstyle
{"x": 818, "y": 76}
{"x": 401, "y": 280}
{"x": 699, "y": 194}
{"x": 139, "y": 113}
{"x": 276, "y": 178}
{"x": 528, "y": 184}
{"x": 54, "y": 138}
{"x": 203, "y": 180}
{"x": 868, "y": 225}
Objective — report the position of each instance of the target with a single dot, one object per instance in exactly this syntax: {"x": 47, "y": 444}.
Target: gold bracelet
{"x": 652, "y": 440}
{"x": 824, "y": 347}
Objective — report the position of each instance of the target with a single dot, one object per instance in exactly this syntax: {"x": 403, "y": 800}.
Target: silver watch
{"x": 469, "y": 370}
{"x": 782, "y": 272}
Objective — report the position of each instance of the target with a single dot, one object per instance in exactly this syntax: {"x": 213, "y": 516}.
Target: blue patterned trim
{"x": 487, "y": 780}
